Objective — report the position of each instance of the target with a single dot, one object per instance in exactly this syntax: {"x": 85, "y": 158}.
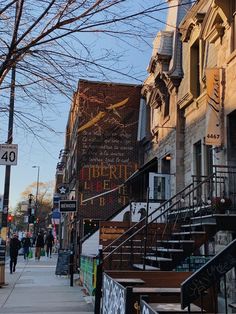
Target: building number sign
{"x": 8, "y": 154}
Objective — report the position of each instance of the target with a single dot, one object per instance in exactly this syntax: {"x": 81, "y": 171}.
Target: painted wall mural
{"x": 107, "y": 143}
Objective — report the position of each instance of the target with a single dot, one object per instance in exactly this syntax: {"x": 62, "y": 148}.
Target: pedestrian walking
{"x": 15, "y": 245}
{"x": 39, "y": 244}
{"x": 26, "y": 244}
{"x": 49, "y": 241}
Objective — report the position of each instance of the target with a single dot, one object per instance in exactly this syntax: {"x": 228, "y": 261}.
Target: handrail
{"x": 143, "y": 221}
{"x": 202, "y": 279}
{"x": 139, "y": 226}
{"x": 88, "y": 235}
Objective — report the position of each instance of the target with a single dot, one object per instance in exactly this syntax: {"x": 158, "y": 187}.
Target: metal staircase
{"x": 179, "y": 227}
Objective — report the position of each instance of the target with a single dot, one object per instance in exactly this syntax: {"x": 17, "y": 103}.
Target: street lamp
{"x": 30, "y": 197}
{"x": 37, "y": 191}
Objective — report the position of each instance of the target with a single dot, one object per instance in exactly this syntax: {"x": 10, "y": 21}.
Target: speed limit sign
{"x": 8, "y": 154}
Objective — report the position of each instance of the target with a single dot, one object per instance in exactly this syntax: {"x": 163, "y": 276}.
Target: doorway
{"x": 231, "y": 155}
{"x": 231, "y": 134}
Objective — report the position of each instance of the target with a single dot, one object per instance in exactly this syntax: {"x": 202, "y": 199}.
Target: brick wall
{"x": 107, "y": 144}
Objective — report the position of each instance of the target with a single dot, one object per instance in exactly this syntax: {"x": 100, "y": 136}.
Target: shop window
{"x": 90, "y": 226}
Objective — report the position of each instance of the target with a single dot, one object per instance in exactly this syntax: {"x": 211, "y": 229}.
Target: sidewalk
{"x": 34, "y": 288}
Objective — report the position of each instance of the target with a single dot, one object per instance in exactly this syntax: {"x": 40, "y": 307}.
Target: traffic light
{"x": 9, "y": 218}
{"x": 31, "y": 219}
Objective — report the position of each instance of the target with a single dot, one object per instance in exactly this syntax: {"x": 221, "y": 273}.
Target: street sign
{"x": 67, "y": 206}
{"x": 56, "y": 214}
{"x": 56, "y": 199}
{"x": 8, "y": 154}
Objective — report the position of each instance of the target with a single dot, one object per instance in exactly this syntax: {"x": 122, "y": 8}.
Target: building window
{"x": 210, "y": 56}
{"x": 165, "y": 164}
{"x": 198, "y": 159}
{"x": 142, "y": 122}
{"x": 209, "y": 159}
{"x": 167, "y": 106}
{"x": 160, "y": 105}
{"x": 233, "y": 25}
{"x": 155, "y": 117}
{"x": 195, "y": 69}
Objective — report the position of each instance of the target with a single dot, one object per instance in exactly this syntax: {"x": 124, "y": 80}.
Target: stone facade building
{"x": 161, "y": 126}
{"x": 190, "y": 97}
{"x": 192, "y": 58}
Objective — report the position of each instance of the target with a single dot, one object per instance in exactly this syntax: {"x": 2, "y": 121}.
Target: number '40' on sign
{"x": 8, "y": 154}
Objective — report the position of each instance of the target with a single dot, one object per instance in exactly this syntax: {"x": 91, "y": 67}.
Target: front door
{"x": 231, "y": 155}
{"x": 159, "y": 186}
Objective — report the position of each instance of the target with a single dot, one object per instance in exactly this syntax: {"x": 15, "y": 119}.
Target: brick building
{"x": 101, "y": 152}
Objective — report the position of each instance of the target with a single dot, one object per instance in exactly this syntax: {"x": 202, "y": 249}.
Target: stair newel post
{"x": 131, "y": 259}
{"x": 225, "y": 295}
{"x": 201, "y": 302}
{"x": 129, "y": 304}
{"x": 146, "y": 230}
{"x": 98, "y": 291}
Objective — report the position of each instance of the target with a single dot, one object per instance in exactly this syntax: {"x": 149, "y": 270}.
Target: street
{"x": 34, "y": 288}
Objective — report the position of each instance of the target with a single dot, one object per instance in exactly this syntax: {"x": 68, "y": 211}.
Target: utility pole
{"x": 10, "y": 131}
{"x": 8, "y": 168}
{"x": 36, "y": 197}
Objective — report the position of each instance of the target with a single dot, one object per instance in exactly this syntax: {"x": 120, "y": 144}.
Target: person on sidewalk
{"x": 39, "y": 244}
{"x": 49, "y": 241}
{"x": 15, "y": 245}
{"x": 26, "y": 244}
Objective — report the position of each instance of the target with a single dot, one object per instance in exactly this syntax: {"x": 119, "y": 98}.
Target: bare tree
{"x": 44, "y": 202}
{"x": 47, "y": 41}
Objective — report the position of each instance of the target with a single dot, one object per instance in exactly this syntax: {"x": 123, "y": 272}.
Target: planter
{"x": 220, "y": 204}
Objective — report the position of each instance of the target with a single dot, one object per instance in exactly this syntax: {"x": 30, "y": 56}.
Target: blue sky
{"x": 45, "y": 153}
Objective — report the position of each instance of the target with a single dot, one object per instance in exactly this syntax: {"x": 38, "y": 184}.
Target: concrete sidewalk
{"x": 34, "y": 288}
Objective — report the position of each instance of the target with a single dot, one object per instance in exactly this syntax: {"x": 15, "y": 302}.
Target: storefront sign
{"x": 67, "y": 206}
{"x": 214, "y": 108}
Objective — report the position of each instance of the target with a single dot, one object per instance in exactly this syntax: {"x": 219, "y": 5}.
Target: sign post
{"x": 68, "y": 206}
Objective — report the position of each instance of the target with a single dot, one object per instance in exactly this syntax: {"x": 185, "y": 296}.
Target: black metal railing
{"x": 208, "y": 275}
{"x": 196, "y": 199}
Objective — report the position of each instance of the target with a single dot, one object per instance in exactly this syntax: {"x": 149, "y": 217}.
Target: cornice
{"x": 185, "y": 100}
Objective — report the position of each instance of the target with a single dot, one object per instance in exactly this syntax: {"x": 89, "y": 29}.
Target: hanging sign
{"x": 67, "y": 206}
{"x": 8, "y": 154}
{"x": 214, "y": 108}
{"x": 63, "y": 189}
